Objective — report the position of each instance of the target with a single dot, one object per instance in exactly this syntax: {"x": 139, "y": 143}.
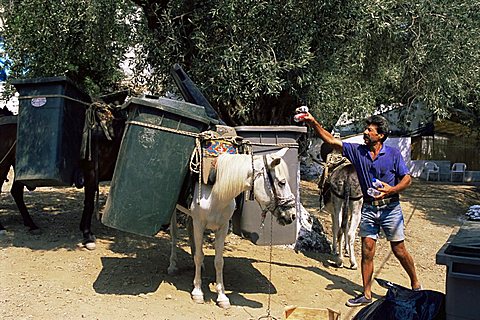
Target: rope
{"x": 54, "y": 96}
{"x": 282, "y": 145}
{"x": 9, "y": 150}
{"x": 153, "y": 126}
{"x": 268, "y": 315}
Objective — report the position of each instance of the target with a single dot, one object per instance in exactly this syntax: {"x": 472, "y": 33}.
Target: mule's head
{"x": 271, "y": 187}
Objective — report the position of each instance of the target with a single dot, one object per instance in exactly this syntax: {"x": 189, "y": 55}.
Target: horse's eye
{"x": 282, "y": 183}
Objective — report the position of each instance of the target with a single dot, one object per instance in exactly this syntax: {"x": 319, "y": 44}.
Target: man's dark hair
{"x": 381, "y": 123}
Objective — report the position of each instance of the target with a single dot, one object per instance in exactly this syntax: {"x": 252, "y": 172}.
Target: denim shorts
{"x": 389, "y": 217}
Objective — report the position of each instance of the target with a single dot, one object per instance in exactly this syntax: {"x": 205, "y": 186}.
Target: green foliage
{"x": 391, "y": 51}
{"x": 258, "y": 60}
{"x": 255, "y": 56}
{"x": 82, "y": 39}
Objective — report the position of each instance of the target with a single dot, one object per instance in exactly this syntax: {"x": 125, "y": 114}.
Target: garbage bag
{"x": 401, "y": 303}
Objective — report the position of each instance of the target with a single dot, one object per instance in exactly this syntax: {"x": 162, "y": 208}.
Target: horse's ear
{"x": 275, "y": 162}
{"x": 277, "y": 157}
{"x": 280, "y": 153}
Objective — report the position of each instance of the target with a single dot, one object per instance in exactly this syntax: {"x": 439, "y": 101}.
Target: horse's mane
{"x": 232, "y": 170}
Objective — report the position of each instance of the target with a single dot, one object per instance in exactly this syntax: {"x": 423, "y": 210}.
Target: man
{"x": 375, "y": 160}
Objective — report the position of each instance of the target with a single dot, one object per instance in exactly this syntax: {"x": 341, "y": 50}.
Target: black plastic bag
{"x": 401, "y": 303}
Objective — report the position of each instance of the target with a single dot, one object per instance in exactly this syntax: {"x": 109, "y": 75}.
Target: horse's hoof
{"x": 224, "y": 304}
{"x": 198, "y": 299}
{"x": 354, "y": 267}
{"x": 90, "y": 245}
{"x": 339, "y": 264}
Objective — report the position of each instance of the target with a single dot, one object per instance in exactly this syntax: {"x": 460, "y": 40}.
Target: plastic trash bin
{"x": 247, "y": 218}
{"x": 461, "y": 255}
{"x": 152, "y": 164}
{"x": 49, "y": 134}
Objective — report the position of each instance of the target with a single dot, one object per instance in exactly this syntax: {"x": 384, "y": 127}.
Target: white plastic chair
{"x": 431, "y": 168}
{"x": 458, "y": 169}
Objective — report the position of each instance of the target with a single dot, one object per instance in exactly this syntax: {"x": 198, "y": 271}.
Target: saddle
{"x": 334, "y": 161}
{"x": 223, "y": 140}
{"x": 99, "y": 120}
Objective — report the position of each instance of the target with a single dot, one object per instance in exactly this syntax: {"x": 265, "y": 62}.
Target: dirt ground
{"x": 49, "y": 276}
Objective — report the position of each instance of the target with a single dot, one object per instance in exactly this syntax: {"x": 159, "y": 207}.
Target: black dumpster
{"x": 461, "y": 255}
{"x": 51, "y": 116}
{"x": 247, "y": 218}
{"x": 152, "y": 163}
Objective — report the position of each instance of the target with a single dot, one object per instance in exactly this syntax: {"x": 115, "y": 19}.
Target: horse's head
{"x": 271, "y": 187}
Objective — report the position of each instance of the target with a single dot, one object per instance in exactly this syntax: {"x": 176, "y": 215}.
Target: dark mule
{"x": 100, "y": 156}
{"x": 8, "y": 132}
{"x": 106, "y": 125}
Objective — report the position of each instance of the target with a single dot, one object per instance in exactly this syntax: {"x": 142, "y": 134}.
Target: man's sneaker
{"x": 360, "y": 300}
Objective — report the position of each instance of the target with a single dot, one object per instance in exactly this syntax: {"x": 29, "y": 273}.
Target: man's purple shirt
{"x": 388, "y": 166}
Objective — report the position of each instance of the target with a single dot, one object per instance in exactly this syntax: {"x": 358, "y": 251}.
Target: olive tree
{"x": 256, "y": 61}
{"x": 82, "y": 39}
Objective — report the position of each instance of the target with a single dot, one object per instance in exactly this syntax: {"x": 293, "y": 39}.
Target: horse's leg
{"x": 220, "y": 235}
{"x": 355, "y": 209}
{"x": 17, "y": 194}
{"x": 172, "y": 268}
{"x": 88, "y": 207}
{"x": 197, "y": 293}
{"x": 337, "y": 241}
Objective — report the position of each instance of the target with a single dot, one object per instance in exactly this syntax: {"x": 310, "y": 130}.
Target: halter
{"x": 277, "y": 203}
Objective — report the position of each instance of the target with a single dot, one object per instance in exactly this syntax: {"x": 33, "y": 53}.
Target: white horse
{"x": 265, "y": 176}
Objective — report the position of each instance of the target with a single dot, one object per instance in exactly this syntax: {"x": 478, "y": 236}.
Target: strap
{"x": 54, "y": 96}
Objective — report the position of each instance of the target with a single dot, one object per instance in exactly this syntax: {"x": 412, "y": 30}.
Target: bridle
{"x": 277, "y": 203}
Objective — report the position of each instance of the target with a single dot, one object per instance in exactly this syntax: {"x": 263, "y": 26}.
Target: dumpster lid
{"x": 43, "y": 80}
{"x": 467, "y": 241}
{"x": 272, "y": 128}
{"x": 181, "y": 108}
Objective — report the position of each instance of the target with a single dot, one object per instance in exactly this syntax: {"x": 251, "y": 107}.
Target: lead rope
{"x": 268, "y": 315}
{"x": 8, "y": 152}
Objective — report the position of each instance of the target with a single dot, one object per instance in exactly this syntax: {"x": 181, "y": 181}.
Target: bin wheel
{"x": 78, "y": 179}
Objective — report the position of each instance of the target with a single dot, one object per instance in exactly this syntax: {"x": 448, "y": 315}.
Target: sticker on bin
{"x": 214, "y": 148}
{"x": 38, "y": 102}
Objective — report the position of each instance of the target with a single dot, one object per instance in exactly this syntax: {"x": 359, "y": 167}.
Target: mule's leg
{"x": 356, "y": 210}
{"x": 197, "y": 293}
{"x": 172, "y": 268}
{"x": 88, "y": 207}
{"x": 3, "y": 177}
{"x": 337, "y": 241}
{"x": 2, "y": 228}
{"x": 220, "y": 235}
{"x": 17, "y": 194}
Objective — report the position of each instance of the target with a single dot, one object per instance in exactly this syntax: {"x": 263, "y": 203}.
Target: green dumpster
{"x": 49, "y": 135}
{"x": 152, "y": 163}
